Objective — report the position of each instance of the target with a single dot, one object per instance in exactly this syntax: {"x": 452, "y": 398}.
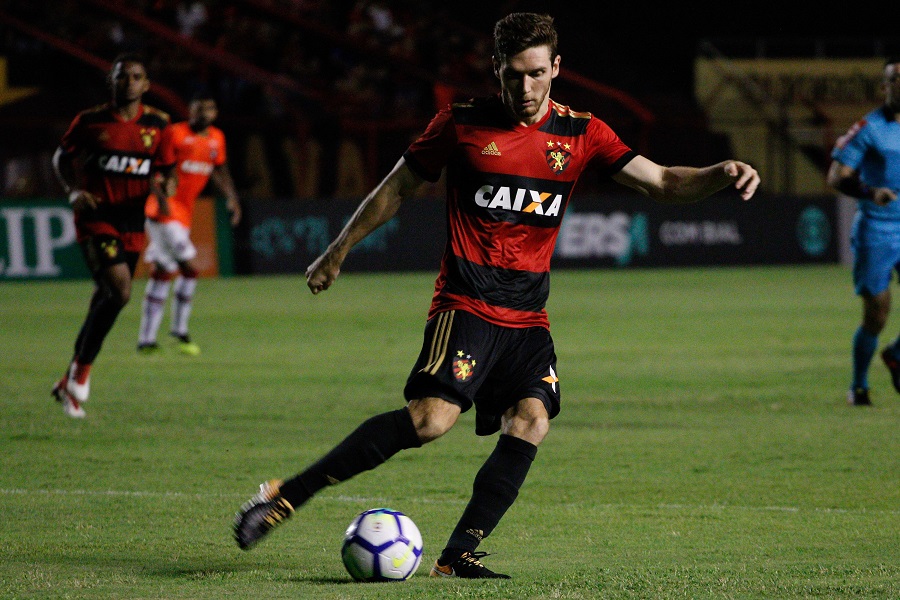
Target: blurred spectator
{"x": 371, "y": 59}
{"x": 190, "y": 17}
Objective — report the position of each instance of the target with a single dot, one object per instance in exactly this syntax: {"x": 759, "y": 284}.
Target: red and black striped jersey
{"x": 116, "y": 156}
{"x": 507, "y": 189}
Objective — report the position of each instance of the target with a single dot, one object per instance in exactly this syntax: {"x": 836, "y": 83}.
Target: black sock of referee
{"x": 372, "y": 443}
{"x": 493, "y": 492}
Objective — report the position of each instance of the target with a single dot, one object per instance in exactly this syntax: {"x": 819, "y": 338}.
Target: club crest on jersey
{"x": 147, "y": 136}
{"x": 463, "y": 366}
{"x": 558, "y": 159}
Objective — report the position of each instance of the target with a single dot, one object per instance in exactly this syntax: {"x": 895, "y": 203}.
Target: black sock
{"x": 101, "y": 317}
{"x": 494, "y": 490}
{"x": 372, "y": 443}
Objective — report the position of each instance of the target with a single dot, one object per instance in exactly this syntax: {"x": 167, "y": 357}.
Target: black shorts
{"x": 103, "y": 251}
{"x": 466, "y": 360}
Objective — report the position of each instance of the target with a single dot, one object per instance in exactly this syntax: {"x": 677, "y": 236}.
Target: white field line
{"x": 347, "y": 499}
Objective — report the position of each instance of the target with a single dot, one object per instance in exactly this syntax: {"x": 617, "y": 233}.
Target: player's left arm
{"x": 221, "y": 178}
{"x": 682, "y": 185}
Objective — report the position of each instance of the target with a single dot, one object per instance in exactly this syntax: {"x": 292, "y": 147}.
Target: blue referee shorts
{"x": 873, "y": 264}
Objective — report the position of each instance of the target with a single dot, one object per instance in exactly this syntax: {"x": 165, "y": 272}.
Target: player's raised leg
{"x": 370, "y": 445}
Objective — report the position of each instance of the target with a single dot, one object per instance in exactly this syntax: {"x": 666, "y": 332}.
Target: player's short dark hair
{"x": 520, "y": 31}
{"x": 201, "y": 95}
{"x": 130, "y": 57}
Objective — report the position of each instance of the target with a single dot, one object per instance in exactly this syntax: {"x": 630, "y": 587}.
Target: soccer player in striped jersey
{"x": 197, "y": 148}
{"x": 511, "y": 163}
{"x": 108, "y": 161}
{"x": 866, "y": 166}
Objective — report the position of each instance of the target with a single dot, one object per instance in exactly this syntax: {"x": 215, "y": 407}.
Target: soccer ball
{"x": 382, "y": 545}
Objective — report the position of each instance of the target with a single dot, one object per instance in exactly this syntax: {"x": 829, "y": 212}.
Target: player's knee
{"x": 431, "y": 427}
{"x": 189, "y": 270}
{"x": 875, "y": 324}
{"x": 531, "y": 424}
{"x": 533, "y": 429}
{"x": 432, "y": 417}
{"x": 876, "y": 310}
{"x": 159, "y": 273}
{"x": 116, "y": 292}
{"x": 121, "y": 295}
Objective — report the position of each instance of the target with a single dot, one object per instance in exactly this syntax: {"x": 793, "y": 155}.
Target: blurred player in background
{"x": 866, "y": 166}
{"x": 107, "y": 162}
{"x": 512, "y": 161}
{"x": 197, "y": 148}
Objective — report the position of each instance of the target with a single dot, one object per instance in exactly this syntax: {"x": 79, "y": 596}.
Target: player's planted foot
{"x": 185, "y": 345}
{"x": 260, "y": 514}
{"x": 858, "y": 397}
{"x": 893, "y": 365}
{"x": 467, "y": 566}
{"x": 148, "y": 348}
{"x": 71, "y": 406}
{"x": 78, "y": 382}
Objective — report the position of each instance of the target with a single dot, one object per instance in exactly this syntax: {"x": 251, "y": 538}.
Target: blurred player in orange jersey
{"x": 198, "y": 150}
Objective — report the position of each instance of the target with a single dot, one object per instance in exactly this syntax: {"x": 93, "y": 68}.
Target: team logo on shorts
{"x": 463, "y": 366}
{"x": 110, "y": 248}
{"x": 552, "y": 379}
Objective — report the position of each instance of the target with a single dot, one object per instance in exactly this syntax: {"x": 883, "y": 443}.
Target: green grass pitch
{"x": 704, "y": 449}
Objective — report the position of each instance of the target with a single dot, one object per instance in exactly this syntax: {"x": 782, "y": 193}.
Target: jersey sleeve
{"x": 851, "y": 147}
{"x": 428, "y": 155}
{"x": 73, "y": 139}
{"x": 165, "y": 152}
{"x": 222, "y": 156}
{"x": 605, "y": 147}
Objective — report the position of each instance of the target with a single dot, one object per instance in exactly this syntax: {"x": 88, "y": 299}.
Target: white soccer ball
{"x": 382, "y": 545}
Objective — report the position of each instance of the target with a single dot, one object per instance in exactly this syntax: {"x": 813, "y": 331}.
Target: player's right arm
{"x": 378, "y": 208}
{"x": 845, "y": 179}
{"x": 64, "y": 167}
{"x": 73, "y": 142}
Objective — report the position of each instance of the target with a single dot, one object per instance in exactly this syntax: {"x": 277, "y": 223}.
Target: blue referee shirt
{"x": 872, "y": 148}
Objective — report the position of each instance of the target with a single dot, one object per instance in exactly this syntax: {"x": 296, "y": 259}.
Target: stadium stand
{"x": 313, "y": 93}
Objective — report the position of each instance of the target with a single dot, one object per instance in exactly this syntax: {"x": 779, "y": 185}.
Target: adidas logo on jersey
{"x": 491, "y": 149}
